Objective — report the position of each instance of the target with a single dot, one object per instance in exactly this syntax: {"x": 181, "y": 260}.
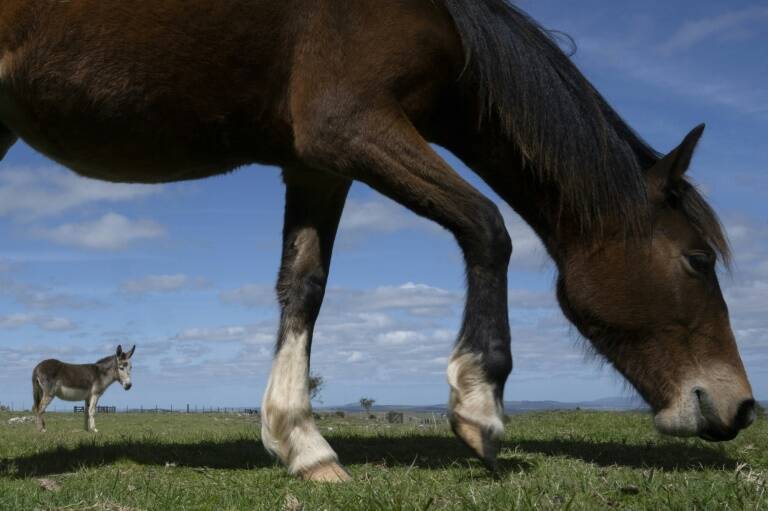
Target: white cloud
{"x": 56, "y": 324}
{"x": 400, "y": 337}
{"x": 111, "y": 232}
{"x": 36, "y": 297}
{"x": 706, "y": 29}
{"x": 164, "y": 284}
{"x": 416, "y": 299}
{"x": 33, "y": 193}
{"x": 527, "y": 250}
{"x": 636, "y": 59}
{"x": 48, "y": 323}
{"x": 377, "y": 215}
{"x": 250, "y": 295}
{"x": 246, "y": 334}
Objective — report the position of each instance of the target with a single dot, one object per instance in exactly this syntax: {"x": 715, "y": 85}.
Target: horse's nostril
{"x": 746, "y": 414}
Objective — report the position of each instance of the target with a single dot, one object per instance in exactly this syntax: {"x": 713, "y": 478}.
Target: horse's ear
{"x": 119, "y": 349}
{"x": 130, "y": 353}
{"x": 672, "y": 167}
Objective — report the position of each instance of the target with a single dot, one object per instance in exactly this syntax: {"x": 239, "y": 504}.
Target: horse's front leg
{"x": 314, "y": 203}
{"x": 7, "y": 139}
{"x": 383, "y": 149}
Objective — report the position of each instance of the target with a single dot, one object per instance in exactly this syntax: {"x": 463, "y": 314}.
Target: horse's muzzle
{"x": 713, "y": 428}
{"x": 128, "y": 386}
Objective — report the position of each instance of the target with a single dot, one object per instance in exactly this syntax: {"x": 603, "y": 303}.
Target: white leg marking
{"x": 92, "y": 415}
{"x": 476, "y": 415}
{"x": 288, "y": 429}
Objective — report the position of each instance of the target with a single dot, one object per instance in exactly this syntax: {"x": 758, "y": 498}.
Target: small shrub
{"x": 340, "y": 414}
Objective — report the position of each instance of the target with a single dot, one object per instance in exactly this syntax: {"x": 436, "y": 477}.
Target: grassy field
{"x": 553, "y": 460}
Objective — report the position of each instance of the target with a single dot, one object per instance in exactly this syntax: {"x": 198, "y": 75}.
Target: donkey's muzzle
{"x": 713, "y": 428}
{"x": 128, "y": 386}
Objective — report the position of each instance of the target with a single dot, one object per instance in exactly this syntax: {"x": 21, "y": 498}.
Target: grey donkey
{"x": 79, "y": 382}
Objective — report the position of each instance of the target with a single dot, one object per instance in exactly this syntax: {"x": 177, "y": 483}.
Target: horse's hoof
{"x": 481, "y": 441}
{"x": 327, "y": 472}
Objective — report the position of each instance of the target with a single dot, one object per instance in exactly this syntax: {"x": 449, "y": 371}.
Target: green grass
{"x": 554, "y": 460}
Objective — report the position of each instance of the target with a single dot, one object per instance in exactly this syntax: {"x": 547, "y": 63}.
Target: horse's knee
{"x": 489, "y": 245}
{"x": 302, "y": 292}
{"x": 302, "y": 278}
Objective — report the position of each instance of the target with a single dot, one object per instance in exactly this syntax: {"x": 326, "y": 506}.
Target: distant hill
{"x": 609, "y": 403}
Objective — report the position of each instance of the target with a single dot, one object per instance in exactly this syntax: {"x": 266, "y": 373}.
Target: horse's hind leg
{"x": 41, "y": 398}
{"x": 314, "y": 203}
{"x": 382, "y": 148}
{"x": 7, "y": 139}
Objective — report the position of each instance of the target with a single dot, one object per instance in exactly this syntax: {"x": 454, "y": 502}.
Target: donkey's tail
{"x": 37, "y": 391}
{"x": 528, "y": 91}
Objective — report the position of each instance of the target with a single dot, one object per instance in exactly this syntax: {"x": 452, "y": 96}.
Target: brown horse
{"x": 339, "y": 90}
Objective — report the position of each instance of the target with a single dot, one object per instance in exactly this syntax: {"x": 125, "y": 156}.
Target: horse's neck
{"x": 500, "y": 166}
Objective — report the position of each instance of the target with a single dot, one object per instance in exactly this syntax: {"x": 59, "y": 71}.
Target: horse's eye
{"x": 701, "y": 263}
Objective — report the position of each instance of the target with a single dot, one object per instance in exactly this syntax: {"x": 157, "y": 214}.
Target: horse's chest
{"x": 73, "y": 393}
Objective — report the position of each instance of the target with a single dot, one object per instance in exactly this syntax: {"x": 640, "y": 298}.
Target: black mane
{"x": 533, "y": 95}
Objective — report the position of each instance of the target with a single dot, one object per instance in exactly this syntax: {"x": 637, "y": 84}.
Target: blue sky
{"x": 186, "y": 271}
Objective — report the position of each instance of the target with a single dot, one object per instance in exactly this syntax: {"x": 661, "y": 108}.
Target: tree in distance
{"x": 366, "y": 403}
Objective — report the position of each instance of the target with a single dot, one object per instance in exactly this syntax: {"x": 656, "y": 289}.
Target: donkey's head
{"x": 653, "y": 307}
{"x": 124, "y": 366}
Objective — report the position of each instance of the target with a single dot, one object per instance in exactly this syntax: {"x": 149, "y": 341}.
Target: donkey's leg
{"x": 313, "y": 207}
{"x": 90, "y": 414}
{"x": 45, "y": 400}
{"x": 384, "y": 150}
{"x": 7, "y": 139}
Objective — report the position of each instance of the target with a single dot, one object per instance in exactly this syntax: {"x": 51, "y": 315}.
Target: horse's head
{"x": 124, "y": 366}
{"x": 652, "y": 306}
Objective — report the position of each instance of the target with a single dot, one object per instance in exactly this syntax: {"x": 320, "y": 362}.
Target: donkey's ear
{"x": 130, "y": 353}
{"x": 119, "y": 349}
{"x": 672, "y": 167}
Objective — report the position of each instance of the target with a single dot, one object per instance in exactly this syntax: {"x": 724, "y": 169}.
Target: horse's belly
{"x": 72, "y": 393}
{"x": 142, "y": 135}
{"x": 130, "y": 148}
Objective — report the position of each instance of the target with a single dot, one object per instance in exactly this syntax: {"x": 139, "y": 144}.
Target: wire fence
{"x": 26, "y": 407}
